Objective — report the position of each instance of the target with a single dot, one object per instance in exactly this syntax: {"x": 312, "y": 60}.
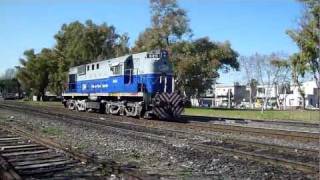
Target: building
{"x": 229, "y": 95}
{"x": 264, "y": 92}
{"x": 238, "y": 96}
{"x": 293, "y": 99}
{"x": 221, "y": 95}
{"x": 206, "y": 99}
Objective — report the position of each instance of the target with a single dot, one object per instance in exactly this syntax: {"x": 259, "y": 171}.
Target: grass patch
{"x": 51, "y": 131}
{"x": 294, "y": 115}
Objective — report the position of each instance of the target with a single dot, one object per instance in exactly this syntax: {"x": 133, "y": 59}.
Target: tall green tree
{"x": 34, "y": 71}
{"x": 79, "y": 43}
{"x": 169, "y": 25}
{"x": 196, "y": 62}
{"x": 307, "y": 37}
{"x": 299, "y": 69}
{"x": 76, "y": 43}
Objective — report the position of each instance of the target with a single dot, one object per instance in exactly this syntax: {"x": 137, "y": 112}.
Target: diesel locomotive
{"x": 136, "y": 85}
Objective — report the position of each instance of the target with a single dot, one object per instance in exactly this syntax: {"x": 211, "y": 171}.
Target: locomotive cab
{"x": 155, "y": 71}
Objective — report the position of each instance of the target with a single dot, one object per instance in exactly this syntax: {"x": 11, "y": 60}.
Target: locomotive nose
{"x": 168, "y": 105}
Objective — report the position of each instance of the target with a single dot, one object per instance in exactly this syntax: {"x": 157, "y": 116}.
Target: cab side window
{"x": 116, "y": 70}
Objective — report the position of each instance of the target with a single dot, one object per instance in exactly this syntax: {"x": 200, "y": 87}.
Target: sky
{"x": 249, "y": 25}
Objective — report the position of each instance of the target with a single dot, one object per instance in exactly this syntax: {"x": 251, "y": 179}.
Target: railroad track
{"x": 190, "y": 118}
{"x": 22, "y": 158}
{"x": 26, "y": 156}
{"x": 301, "y": 136}
{"x": 277, "y": 155}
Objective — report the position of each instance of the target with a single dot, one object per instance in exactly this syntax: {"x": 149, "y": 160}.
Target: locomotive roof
{"x": 115, "y": 61}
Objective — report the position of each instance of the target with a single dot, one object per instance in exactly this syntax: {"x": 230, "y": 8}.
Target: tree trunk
{"x": 303, "y": 102}
{"x": 302, "y": 94}
{"x": 42, "y": 93}
{"x": 38, "y": 97}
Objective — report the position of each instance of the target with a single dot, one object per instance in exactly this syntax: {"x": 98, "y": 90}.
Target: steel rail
{"x": 195, "y": 118}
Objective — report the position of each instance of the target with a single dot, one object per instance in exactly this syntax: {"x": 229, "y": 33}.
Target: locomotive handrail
{"x": 130, "y": 75}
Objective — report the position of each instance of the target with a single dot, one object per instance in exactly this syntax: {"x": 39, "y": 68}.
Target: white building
{"x": 294, "y": 99}
{"x": 229, "y": 95}
{"x": 235, "y": 95}
{"x": 266, "y": 91}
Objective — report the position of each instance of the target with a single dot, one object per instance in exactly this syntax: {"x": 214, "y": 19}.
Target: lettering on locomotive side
{"x": 104, "y": 85}
{"x": 94, "y": 86}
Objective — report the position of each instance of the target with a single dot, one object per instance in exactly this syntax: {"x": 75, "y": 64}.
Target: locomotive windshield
{"x": 163, "y": 54}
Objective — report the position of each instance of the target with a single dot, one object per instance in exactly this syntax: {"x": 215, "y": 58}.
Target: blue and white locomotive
{"x": 138, "y": 85}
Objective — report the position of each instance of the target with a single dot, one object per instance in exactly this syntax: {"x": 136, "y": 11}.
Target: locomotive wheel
{"x": 107, "y": 109}
{"x": 71, "y": 105}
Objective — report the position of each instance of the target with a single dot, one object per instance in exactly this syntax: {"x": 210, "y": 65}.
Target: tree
{"x": 79, "y": 43}
{"x": 249, "y": 69}
{"x": 307, "y": 37}
{"x": 76, "y": 44}
{"x": 196, "y": 63}
{"x": 299, "y": 68}
{"x": 253, "y": 83}
{"x": 169, "y": 24}
{"x": 170, "y": 20}
{"x": 148, "y": 40}
{"x": 34, "y": 72}
{"x": 282, "y": 80}
{"x": 269, "y": 70}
